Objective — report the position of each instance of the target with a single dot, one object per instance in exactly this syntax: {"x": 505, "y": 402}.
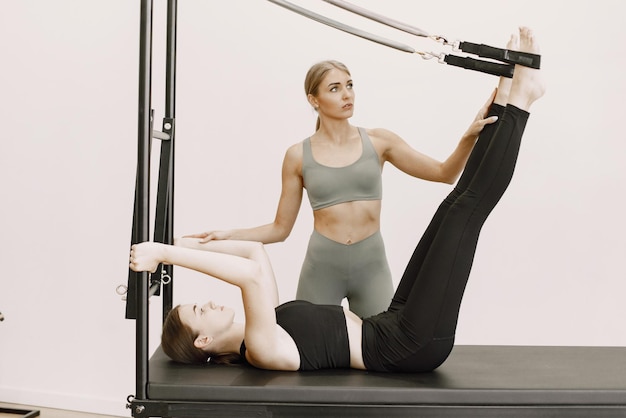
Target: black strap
{"x": 505, "y": 55}
{"x": 131, "y": 287}
{"x": 488, "y": 67}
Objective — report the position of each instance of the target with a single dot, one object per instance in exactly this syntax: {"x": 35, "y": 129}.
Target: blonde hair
{"x": 316, "y": 74}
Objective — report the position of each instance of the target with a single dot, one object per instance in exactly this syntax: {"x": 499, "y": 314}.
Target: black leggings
{"x": 417, "y": 332}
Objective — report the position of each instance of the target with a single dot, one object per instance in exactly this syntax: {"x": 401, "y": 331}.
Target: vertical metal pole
{"x": 170, "y": 81}
{"x": 169, "y": 126}
{"x": 143, "y": 185}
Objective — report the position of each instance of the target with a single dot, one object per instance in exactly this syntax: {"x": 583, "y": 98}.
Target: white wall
{"x": 549, "y": 269}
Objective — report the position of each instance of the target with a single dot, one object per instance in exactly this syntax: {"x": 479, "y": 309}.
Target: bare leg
{"x": 504, "y": 86}
{"x": 527, "y": 85}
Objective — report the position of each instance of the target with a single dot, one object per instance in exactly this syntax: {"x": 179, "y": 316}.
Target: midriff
{"x": 348, "y": 222}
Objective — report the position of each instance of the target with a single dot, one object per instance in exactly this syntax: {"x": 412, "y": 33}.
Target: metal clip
{"x": 165, "y": 278}
{"x": 122, "y": 290}
{"x": 439, "y": 38}
{"x": 430, "y": 55}
{"x": 455, "y": 45}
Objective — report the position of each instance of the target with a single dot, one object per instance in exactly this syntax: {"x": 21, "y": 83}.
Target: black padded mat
{"x": 473, "y": 375}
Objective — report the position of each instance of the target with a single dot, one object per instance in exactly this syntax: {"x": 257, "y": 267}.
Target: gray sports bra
{"x": 328, "y": 186}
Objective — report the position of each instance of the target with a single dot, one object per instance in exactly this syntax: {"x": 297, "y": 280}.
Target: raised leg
{"x": 473, "y": 162}
{"x": 431, "y": 310}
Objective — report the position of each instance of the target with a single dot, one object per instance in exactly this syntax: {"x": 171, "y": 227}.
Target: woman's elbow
{"x": 253, "y": 277}
{"x": 442, "y": 177}
{"x": 281, "y": 232}
{"x": 448, "y": 176}
{"x": 449, "y": 180}
{"x": 282, "y": 237}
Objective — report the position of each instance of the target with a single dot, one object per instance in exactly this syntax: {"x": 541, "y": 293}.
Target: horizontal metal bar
{"x": 160, "y": 135}
{"x": 404, "y": 27}
{"x": 342, "y": 27}
{"x": 153, "y": 288}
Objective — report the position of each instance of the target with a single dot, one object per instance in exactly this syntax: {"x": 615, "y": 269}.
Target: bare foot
{"x": 504, "y": 85}
{"x": 527, "y": 85}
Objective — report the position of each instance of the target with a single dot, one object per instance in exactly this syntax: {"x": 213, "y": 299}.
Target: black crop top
{"x": 319, "y": 331}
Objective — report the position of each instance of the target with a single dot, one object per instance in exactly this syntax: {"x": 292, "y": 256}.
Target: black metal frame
{"x": 23, "y": 413}
{"x": 141, "y": 286}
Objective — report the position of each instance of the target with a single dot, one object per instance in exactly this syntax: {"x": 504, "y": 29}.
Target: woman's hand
{"x": 146, "y": 256}
{"x": 210, "y": 235}
{"x": 480, "y": 121}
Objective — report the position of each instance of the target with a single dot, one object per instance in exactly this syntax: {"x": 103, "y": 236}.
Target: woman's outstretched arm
{"x": 250, "y": 273}
{"x": 286, "y": 212}
{"x": 416, "y": 164}
{"x": 245, "y": 249}
{"x": 240, "y": 263}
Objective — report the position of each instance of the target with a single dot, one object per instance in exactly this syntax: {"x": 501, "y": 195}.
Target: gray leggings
{"x": 359, "y": 272}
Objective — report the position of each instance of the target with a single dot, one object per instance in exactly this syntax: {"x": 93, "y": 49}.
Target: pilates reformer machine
{"x": 479, "y": 381}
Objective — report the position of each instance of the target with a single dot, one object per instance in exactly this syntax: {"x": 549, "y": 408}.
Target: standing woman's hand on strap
{"x": 211, "y": 235}
{"x": 480, "y": 121}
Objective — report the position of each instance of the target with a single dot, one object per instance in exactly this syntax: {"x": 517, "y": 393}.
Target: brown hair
{"x": 177, "y": 341}
{"x": 316, "y": 74}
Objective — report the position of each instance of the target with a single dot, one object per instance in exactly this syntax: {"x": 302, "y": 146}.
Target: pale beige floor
{"x": 51, "y": 413}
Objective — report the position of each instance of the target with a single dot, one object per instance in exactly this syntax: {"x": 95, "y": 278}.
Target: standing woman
{"x": 340, "y": 167}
